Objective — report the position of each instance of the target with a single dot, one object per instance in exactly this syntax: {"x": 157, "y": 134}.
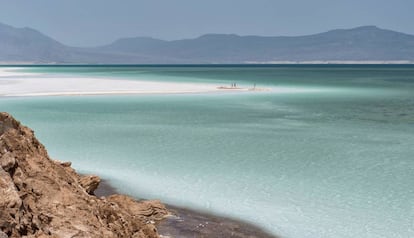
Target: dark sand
{"x": 187, "y": 223}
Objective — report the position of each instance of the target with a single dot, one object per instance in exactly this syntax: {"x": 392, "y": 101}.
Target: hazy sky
{"x": 97, "y": 22}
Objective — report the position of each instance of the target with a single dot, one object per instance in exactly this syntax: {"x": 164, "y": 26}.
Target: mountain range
{"x": 361, "y": 44}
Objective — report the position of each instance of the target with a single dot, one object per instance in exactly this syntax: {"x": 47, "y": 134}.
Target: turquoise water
{"x": 332, "y": 158}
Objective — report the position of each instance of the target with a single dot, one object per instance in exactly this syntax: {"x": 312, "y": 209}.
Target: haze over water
{"x": 327, "y": 153}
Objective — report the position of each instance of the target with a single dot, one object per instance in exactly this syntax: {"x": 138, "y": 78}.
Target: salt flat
{"x": 14, "y": 83}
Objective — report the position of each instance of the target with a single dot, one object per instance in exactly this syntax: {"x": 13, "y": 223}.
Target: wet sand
{"x": 188, "y": 223}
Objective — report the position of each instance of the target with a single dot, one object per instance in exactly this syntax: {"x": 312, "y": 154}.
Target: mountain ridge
{"x": 360, "y": 44}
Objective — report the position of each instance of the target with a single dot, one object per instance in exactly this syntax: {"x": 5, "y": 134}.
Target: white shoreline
{"x": 16, "y": 84}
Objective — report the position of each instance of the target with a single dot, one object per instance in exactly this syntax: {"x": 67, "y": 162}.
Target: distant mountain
{"x": 26, "y": 44}
{"x": 30, "y": 46}
{"x": 367, "y": 43}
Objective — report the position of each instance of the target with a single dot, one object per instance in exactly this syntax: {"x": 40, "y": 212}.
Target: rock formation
{"x": 40, "y": 197}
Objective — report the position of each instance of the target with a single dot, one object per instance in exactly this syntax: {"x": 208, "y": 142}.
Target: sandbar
{"x": 15, "y": 84}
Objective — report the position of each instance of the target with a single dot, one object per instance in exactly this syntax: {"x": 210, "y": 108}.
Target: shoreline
{"x": 218, "y": 89}
{"x": 189, "y": 223}
{"x": 243, "y": 63}
{"x": 42, "y": 197}
{"x": 21, "y": 84}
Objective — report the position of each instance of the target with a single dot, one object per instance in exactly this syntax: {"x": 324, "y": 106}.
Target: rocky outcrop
{"x": 90, "y": 183}
{"x": 40, "y": 197}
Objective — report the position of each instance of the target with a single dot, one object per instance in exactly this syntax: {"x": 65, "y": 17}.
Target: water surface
{"x": 332, "y": 156}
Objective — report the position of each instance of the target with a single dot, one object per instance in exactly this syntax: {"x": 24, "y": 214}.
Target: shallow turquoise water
{"x": 334, "y": 161}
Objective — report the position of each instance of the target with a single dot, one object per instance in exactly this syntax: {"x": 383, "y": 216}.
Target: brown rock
{"x": 3, "y": 235}
{"x": 7, "y": 122}
{"x": 146, "y": 210}
{"x": 40, "y": 197}
{"x": 7, "y": 161}
{"x": 64, "y": 164}
{"x": 9, "y": 198}
{"x": 90, "y": 183}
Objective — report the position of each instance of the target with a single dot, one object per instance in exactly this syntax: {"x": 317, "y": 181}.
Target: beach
{"x": 19, "y": 84}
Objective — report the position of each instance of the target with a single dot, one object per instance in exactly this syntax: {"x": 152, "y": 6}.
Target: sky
{"x": 99, "y": 22}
